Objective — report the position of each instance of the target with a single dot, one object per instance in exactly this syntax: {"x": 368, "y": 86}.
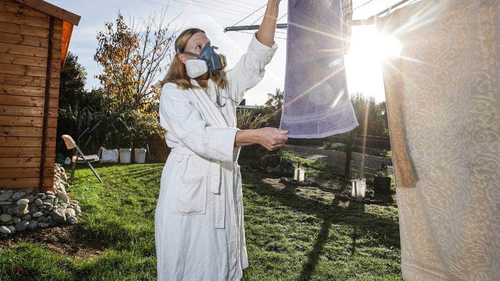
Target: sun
{"x": 368, "y": 49}
{"x": 388, "y": 47}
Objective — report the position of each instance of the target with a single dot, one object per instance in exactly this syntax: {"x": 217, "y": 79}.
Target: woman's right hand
{"x": 272, "y": 138}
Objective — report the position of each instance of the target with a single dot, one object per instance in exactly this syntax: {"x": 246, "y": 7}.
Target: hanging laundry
{"x": 443, "y": 103}
{"x": 346, "y": 24}
{"x": 316, "y": 102}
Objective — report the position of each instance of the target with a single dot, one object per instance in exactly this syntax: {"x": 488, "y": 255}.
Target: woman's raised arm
{"x": 268, "y": 26}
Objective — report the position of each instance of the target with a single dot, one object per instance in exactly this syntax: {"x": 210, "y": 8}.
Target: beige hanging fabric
{"x": 443, "y": 96}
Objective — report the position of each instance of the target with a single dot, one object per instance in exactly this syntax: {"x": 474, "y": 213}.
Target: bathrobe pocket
{"x": 191, "y": 197}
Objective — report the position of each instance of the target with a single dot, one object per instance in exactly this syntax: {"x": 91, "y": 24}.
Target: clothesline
{"x": 367, "y": 21}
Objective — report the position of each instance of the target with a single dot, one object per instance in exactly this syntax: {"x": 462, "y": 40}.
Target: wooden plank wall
{"x": 23, "y": 66}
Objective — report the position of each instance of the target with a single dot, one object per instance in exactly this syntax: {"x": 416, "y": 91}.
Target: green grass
{"x": 356, "y": 148}
{"x": 295, "y": 233}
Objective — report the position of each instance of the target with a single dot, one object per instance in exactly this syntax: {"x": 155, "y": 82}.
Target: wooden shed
{"x": 34, "y": 40}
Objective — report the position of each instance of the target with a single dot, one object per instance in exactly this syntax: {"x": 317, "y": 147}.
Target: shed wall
{"x": 23, "y": 66}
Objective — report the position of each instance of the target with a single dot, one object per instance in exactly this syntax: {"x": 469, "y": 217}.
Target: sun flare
{"x": 367, "y": 50}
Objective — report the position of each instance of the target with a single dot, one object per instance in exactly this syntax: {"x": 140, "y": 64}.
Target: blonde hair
{"x": 176, "y": 72}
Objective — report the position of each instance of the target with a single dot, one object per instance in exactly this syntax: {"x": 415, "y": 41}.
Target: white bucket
{"x": 108, "y": 155}
{"x": 125, "y": 155}
{"x": 358, "y": 188}
{"x": 299, "y": 174}
{"x": 140, "y": 155}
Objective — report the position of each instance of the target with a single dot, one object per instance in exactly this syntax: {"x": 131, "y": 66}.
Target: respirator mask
{"x": 208, "y": 61}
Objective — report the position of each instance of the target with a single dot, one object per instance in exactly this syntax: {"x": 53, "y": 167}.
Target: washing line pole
{"x": 284, "y": 25}
{"x": 251, "y": 27}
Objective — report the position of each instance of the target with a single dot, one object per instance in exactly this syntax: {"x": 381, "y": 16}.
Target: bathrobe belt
{"x": 215, "y": 186}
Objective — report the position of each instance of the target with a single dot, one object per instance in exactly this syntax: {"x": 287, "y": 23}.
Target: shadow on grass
{"x": 353, "y": 215}
{"x": 128, "y": 170}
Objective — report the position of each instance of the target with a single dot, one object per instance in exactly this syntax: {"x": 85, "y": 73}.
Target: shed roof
{"x": 68, "y": 18}
{"x": 52, "y": 10}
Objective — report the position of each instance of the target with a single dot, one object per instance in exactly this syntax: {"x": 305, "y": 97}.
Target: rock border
{"x": 25, "y": 209}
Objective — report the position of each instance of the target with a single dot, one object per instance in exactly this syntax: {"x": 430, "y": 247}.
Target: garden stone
{"x": 58, "y": 215}
{"x": 26, "y": 218}
{"x": 12, "y": 229}
{"x": 10, "y": 211}
{"x": 6, "y": 195}
{"x": 4, "y": 209}
{"x": 49, "y": 192}
{"x": 37, "y": 214}
{"x": 48, "y": 204}
{"x": 74, "y": 202}
{"x": 43, "y": 224}
{"x": 33, "y": 225}
{"x": 40, "y": 219}
{"x": 16, "y": 220}
{"x": 33, "y": 209}
{"x": 18, "y": 195}
{"x": 38, "y": 202}
{"x": 5, "y": 217}
{"x": 30, "y": 190}
{"x": 63, "y": 197}
{"x": 64, "y": 205}
{"x": 5, "y": 203}
{"x": 22, "y": 225}
{"x": 21, "y": 210}
{"x": 56, "y": 201}
{"x": 51, "y": 196}
{"x": 4, "y": 230}
{"x": 71, "y": 212}
{"x": 30, "y": 198}
{"x": 72, "y": 220}
{"x": 23, "y": 201}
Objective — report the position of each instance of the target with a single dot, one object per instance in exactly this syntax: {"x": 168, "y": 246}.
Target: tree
{"x": 274, "y": 106}
{"x": 77, "y": 107}
{"x": 367, "y": 110}
{"x": 132, "y": 59}
{"x": 275, "y": 101}
{"x": 72, "y": 87}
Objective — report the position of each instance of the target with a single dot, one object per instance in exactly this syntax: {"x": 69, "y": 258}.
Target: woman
{"x": 199, "y": 228}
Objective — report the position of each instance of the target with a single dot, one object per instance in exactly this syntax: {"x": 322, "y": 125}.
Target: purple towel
{"x": 316, "y": 101}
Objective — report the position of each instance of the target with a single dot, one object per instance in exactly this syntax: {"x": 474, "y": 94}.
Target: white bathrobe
{"x": 199, "y": 228}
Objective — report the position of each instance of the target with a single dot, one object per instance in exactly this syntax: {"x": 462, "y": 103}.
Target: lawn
{"x": 293, "y": 233}
{"x": 356, "y": 148}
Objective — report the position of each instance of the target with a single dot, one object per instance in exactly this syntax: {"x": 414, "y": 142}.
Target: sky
{"x": 362, "y": 62}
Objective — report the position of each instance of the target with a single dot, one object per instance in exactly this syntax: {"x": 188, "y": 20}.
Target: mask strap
{"x": 217, "y": 90}
{"x": 191, "y": 54}
{"x": 217, "y": 93}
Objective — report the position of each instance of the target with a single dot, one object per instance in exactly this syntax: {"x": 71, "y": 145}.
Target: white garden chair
{"x": 79, "y": 157}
